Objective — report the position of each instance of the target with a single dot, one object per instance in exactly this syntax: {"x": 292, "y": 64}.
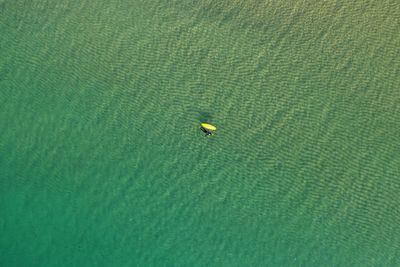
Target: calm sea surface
{"x": 102, "y": 162}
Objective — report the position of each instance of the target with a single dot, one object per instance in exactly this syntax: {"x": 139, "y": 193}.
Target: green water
{"x": 102, "y": 162}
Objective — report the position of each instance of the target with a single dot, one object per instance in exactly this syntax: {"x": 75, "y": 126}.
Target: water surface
{"x": 102, "y": 162}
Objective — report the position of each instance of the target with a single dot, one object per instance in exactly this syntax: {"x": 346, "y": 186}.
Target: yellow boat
{"x": 208, "y": 126}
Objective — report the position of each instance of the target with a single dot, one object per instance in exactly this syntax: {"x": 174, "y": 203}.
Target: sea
{"x": 102, "y": 162}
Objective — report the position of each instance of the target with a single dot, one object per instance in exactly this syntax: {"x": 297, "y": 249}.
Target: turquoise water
{"x": 102, "y": 162}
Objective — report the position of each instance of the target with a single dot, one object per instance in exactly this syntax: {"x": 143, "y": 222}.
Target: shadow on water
{"x": 204, "y": 116}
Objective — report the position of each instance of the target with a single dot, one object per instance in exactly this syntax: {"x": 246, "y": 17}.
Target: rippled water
{"x": 102, "y": 162}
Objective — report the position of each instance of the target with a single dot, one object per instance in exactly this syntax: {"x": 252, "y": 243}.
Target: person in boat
{"x": 207, "y": 132}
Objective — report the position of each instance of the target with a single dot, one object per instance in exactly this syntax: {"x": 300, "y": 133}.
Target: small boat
{"x": 208, "y": 126}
